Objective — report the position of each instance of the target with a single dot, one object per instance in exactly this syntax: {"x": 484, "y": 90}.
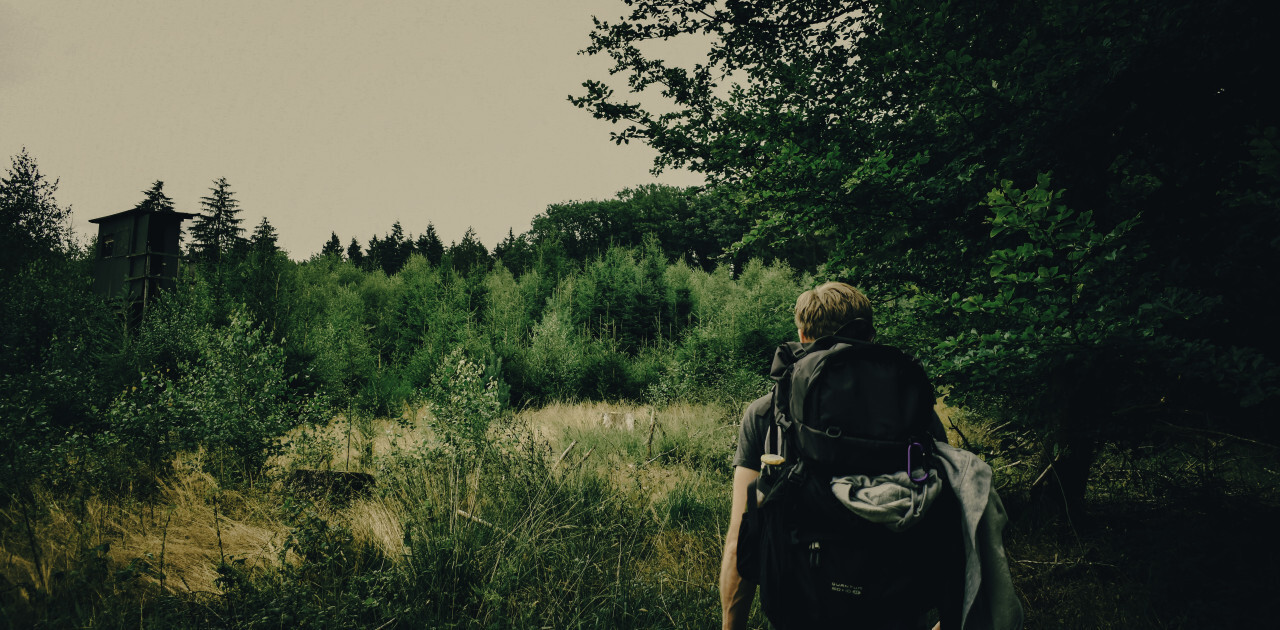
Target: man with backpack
{"x": 850, "y": 510}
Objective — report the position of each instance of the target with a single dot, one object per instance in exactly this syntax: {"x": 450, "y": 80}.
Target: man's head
{"x": 826, "y": 309}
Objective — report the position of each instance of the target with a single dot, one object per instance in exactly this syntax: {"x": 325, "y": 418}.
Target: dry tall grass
{"x": 178, "y": 538}
{"x": 193, "y": 524}
{"x": 674, "y": 489}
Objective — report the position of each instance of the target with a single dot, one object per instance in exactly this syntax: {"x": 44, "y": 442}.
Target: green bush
{"x": 59, "y": 359}
{"x": 463, "y": 402}
{"x": 337, "y": 343}
{"x": 238, "y": 398}
{"x": 232, "y": 398}
{"x": 623, "y": 296}
{"x": 555, "y": 355}
{"x": 606, "y": 374}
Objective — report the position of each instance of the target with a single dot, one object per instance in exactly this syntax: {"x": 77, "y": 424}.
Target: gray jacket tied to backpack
{"x": 896, "y": 502}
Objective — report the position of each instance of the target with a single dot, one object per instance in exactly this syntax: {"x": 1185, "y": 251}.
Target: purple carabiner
{"x": 910, "y": 469}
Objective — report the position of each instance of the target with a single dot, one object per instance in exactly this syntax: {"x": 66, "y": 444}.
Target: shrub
{"x": 232, "y": 398}
{"x": 58, "y": 346}
{"x": 555, "y": 357}
{"x": 463, "y": 402}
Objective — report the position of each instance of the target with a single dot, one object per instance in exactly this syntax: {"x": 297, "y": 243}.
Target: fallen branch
{"x": 584, "y": 458}
{"x": 658, "y": 456}
{"x": 476, "y": 519}
{"x": 1070, "y": 563}
{"x": 1218, "y": 433}
{"x": 566, "y": 452}
{"x": 963, "y": 437}
{"x": 997, "y": 429}
{"x": 1046, "y": 471}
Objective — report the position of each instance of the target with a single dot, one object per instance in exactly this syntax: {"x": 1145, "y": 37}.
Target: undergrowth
{"x": 548, "y": 518}
{"x": 508, "y": 530}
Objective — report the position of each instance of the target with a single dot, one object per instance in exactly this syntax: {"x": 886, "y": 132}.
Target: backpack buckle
{"x": 911, "y": 469}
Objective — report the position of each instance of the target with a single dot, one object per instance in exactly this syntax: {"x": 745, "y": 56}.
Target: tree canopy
{"x": 354, "y": 253}
{"x": 1036, "y": 189}
{"x": 332, "y": 247}
{"x": 32, "y": 222}
{"x": 155, "y": 199}
{"x": 264, "y": 237}
{"x": 429, "y": 245}
{"x": 469, "y": 253}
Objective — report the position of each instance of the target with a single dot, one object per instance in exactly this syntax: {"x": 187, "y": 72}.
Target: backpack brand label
{"x": 848, "y": 589}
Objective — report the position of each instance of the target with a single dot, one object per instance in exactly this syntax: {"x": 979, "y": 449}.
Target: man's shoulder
{"x": 761, "y": 407}
{"x": 751, "y": 434}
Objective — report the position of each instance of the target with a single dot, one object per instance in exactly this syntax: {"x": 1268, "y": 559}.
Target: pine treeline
{"x": 365, "y": 331}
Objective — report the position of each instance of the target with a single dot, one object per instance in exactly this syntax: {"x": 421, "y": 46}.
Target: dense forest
{"x": 1068, "y": 212}
{"x": 587, "y": 305}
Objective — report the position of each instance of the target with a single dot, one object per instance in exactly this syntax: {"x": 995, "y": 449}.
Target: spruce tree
{"x": 264, "y": 237}
{"x": 155, "y": 199}
{"x": 430, "y": 246}
{"x": 469, "y": 253}
{"x": 217, "y": 233}
{"x": 515, "y": 252}
{"x": 396, "y": 249}
{"x": 354, "y": 254}
{"x": 373, "y": 258}
{"x": 333, "y": 247}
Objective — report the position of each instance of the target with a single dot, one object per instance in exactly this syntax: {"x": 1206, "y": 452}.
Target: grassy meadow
{"x": 559, "y": 521}
{"x": 564, "y": 523}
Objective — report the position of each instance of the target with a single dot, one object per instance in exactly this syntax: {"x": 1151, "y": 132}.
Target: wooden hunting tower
{"x": 137, "y": 254}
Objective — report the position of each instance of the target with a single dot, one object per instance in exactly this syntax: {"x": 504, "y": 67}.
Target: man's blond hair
{"x": 824, "y": 310}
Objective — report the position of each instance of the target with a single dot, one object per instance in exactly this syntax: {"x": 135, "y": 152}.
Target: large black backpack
{"x": 843, "y": 406}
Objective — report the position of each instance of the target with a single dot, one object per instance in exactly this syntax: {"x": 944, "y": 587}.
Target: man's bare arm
{"x": 736, "y": 593}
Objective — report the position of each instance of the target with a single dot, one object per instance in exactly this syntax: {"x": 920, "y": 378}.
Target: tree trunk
{"x": 1074, "y": 406}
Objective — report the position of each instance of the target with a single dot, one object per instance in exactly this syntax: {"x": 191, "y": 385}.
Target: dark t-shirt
{"x": 755, "y": 426}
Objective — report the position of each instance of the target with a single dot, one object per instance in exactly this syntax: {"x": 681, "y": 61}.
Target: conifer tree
{"x": 430, "y": 246}
{"x": 373, "y": 253}
{"x": 264, "y": 237}
{"x": 469, "y": 253}
{"x": 155, "y": 199}
{"x": 396, "y": 249}
{"x": 390, "y": 252}
{"x": 217, "y": 233}
{"x": 333, "y": 247}
{"x": 354, "y": 254}
{"x": 514, "y": 252}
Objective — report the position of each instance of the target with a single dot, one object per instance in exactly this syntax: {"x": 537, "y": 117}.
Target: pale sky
{"x": 322, "y": 115}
